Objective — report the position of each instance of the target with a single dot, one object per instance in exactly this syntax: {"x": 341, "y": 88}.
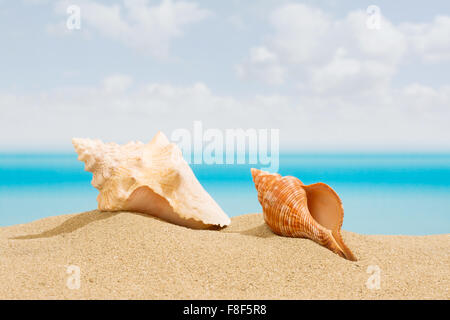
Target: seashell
{"x": 149, "y": 178}
{"x": 293, "y": 209}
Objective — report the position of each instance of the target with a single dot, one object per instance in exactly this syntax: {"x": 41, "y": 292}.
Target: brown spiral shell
{"x": 293, "y": 209}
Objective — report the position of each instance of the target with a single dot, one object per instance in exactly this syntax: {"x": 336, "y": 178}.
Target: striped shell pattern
{"x": 293, "y": 209}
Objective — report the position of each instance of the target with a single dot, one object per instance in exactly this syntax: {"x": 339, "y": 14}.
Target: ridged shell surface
{"x": 150, "y": 178}
{"x": 294, "y": 210}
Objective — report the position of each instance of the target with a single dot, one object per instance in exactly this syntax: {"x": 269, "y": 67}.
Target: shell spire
{"x": 150, "y": 178}
{"x": 293, "y": 209}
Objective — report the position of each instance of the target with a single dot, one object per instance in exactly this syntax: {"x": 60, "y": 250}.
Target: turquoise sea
{"x": 381, "y": 193}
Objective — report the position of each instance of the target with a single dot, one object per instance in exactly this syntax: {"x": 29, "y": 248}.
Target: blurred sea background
{"x": 382, "y": 193}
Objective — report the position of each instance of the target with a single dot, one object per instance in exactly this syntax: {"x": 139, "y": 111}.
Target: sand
{"x": 132, "y": 256}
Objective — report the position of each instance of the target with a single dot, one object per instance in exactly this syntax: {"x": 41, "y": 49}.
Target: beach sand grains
{"x": 124, "y": 255}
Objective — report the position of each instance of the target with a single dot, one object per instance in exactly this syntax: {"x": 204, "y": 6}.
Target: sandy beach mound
{"x": 127, "y": 255}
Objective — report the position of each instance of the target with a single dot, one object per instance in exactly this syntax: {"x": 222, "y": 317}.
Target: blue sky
{"x": 312, "y": 69}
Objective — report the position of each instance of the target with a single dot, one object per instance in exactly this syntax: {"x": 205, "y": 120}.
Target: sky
{"x": 330, "y": 75}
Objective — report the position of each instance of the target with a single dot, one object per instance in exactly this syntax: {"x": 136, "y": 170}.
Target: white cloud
{"x": 331, "y": 55}
{"x": 347, "y": 76}
{"x": 414, "y": 117}
{"x": 344, "y": 73}
{"x": 60, "y": 29}
{"x": 262, "y": 64}
{"x": 427, "y": 98}
{"x": 431, "y": 41}
{"x": 262, "y": 55}
{"x": 117, "y": 83}
{"x": 136, "y": 23}
{"x": 299, "y": 33}
{"x": 341, "y": 73}
{"x": 387, "y": 44}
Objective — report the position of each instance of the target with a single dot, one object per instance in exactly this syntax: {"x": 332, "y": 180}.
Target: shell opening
{"x": 325, "y": 207}
{"x": 145, "y": 200}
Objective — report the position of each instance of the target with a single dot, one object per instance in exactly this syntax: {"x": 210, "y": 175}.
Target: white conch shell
{"x": 150, "y": 178}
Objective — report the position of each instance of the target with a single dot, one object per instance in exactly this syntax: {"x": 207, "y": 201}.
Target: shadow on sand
{"x": 83, "y": 219}
{"x": 71, "y": 224}
{"x": 261, "y": 231}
